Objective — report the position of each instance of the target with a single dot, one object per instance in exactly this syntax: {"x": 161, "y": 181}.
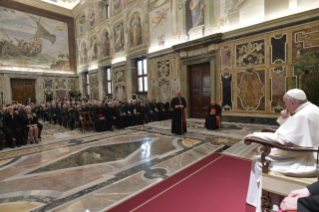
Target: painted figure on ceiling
{"x": 136, "y": 30}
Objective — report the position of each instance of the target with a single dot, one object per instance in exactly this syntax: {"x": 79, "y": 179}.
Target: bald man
{"x": 178, "y": 117}
{"x": 301, "y": 129}
{"x": 213, "y": 116}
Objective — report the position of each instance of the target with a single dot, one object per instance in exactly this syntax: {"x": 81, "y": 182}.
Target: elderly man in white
{"x": 301, "y": 129}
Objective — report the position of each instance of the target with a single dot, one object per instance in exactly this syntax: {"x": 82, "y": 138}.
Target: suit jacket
{"x": 310, "y": 204}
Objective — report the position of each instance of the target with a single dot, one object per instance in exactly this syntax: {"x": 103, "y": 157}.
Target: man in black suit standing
{"x": 178, "y": 105}
{"x": 303, "y": 200}
{"x": 29, "y": 101}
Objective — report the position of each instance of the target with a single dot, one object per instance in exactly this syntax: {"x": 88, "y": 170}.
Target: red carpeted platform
{"x": 216, "y": 183}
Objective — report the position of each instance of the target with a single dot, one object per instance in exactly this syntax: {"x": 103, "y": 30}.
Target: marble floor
{"x": 75, "y": 171}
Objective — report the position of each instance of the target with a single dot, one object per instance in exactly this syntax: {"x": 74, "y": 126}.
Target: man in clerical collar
{"x": 301, "y": 129}
{"x": 213, "y": 116}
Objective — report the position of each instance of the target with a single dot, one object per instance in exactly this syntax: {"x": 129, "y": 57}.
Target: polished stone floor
{"x": 74, "y": 171}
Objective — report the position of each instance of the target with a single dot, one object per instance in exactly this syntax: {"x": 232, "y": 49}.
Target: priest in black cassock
{"x": 213, "y": 116}
{"x": 99, "y": 118}
{"x": 178, "y": 117}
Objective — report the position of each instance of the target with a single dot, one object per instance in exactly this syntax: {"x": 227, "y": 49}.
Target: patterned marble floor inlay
{"x": 74, "y": 171}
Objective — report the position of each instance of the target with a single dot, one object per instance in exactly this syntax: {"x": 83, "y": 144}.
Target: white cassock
{"x": 301, "y": 130}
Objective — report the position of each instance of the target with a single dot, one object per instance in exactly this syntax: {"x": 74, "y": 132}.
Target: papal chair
{"x": 273, "y": 182}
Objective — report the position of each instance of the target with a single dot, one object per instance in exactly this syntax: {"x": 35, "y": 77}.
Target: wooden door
{"x": 199, "y": 89}
{"x": 22, "y": 89}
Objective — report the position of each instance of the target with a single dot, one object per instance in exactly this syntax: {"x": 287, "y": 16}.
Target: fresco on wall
{"x": 119, "y": 76}
{"x": 91, "y": 17}
{"x": 32, "y": 41}
{"x": 83, "y": 53}
{"x": 250, "y": 54}
{"x": 105, "y": 43}
{"x": 94, "y": 48}
{"x": 117, "y": 7}
{"x": 119, "y": 41}
{"x": 160, "y": 26}
{"x": 136, "y": 30}
{"x": 131, "y": 3}
{"x": 195, "y": 13}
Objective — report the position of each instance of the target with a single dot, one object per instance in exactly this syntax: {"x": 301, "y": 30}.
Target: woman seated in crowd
{"x": 30, "y": 122}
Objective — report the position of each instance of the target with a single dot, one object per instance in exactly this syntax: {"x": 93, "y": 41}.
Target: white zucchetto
{"x": 297, "y": 94}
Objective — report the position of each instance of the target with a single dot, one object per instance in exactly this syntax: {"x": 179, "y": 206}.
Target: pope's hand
{"x": 289, "y": 203}
{"x": 249, "y": 136}
{"x": 300, "y": 193}
{"x": 285, "y": 114}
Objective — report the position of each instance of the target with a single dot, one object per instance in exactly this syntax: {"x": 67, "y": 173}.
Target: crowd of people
{"x": 21, "y": 122}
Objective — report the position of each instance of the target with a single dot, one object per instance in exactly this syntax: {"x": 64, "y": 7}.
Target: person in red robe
{"x": 213, "y": 116}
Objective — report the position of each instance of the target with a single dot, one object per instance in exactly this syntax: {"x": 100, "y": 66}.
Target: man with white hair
{"x": 301, "y": 129}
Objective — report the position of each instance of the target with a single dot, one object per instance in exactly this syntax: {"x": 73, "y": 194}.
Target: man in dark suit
{"x": 178, "y": 105}
{"x": 303, "y": 200}
{"x": 12, "y": 127}
{"x": 29, "y": 101}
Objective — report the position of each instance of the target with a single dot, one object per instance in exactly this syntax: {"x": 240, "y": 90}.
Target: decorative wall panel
{"x": 278, "y": 88}
{"x": 94, "y": 86}
{"x": 278, "y": 53}
{"x": 226, "y": 89}
{"x": 165, "y": 72}
{"x": 226, "y": 58}
{"x": 119, "y": 81}
{"x": 250, "y": 53}
{"x": 164, "y": 90}
{"x": 251, "y": 90}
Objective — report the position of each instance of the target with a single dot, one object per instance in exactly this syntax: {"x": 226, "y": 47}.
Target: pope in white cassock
{"x": 301, "y": 129}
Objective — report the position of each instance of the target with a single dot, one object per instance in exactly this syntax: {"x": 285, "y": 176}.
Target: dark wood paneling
{"x": 22, "y": 89}
{"x": 199, "y": 76}
{"x": 51, "y": 15}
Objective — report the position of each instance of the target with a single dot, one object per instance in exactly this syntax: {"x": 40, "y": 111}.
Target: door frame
{"x": 184, "y": 76}
{"x": 38, "y": 85}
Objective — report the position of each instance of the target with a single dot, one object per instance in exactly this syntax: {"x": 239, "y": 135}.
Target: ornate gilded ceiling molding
{"x": 44, "y": 6}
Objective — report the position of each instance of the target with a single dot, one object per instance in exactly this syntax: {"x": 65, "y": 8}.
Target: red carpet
{"x": 216, "y": 183}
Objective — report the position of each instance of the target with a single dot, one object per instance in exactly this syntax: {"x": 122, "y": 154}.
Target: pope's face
{"x": 290, "y": 104}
